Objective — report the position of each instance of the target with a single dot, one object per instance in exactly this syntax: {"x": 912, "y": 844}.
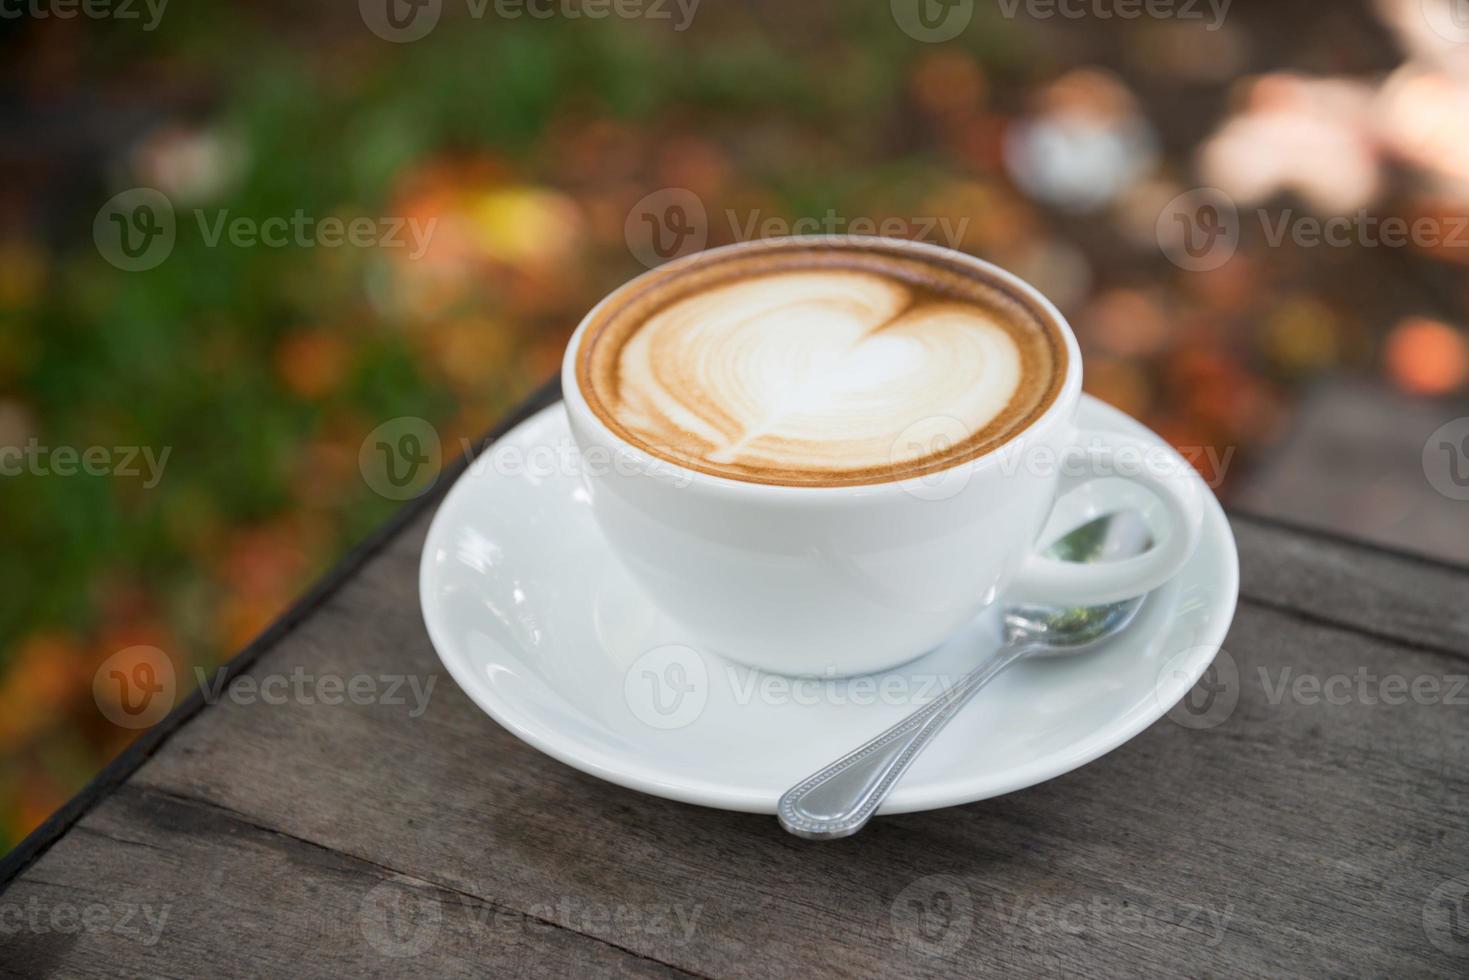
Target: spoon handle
{"x": 838, "y": 800}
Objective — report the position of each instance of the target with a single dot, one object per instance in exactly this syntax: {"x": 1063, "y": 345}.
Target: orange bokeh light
{"x": 1427, "y": 357}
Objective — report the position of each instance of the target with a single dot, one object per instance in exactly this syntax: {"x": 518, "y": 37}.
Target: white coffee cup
{"x": 835, "y": 581}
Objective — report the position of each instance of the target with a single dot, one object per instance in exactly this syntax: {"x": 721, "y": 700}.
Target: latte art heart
{"x": 822, "y": 376}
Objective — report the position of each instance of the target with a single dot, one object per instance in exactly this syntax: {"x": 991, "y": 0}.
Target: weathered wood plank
{"x": 1293, "y": 837}
{"x": 1353, "y": 458}
{"x": 1416, "y": 601}
{"x": 150, "y": 885}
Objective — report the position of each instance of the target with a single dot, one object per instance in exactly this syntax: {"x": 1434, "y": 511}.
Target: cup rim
{"x": 666, "y": 470}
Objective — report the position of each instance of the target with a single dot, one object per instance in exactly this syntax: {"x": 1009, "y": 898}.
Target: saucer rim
{"x": 586, "y": 756}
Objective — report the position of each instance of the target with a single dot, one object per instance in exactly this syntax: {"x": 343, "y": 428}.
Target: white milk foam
{"x": 819, "y": 371}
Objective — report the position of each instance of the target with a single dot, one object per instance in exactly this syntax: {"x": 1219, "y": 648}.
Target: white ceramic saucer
{"x": 540, "y": 626}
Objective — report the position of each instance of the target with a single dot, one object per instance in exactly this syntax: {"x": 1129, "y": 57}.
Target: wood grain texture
{"x": 1353, "y": 458}
{"x": 1290, "y": 835}
{"x": 176, "y": 887}
{"x": 1397, "y": 597}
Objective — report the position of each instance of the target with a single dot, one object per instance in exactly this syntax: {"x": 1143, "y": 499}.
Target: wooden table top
{"x": 1321, "y": 827}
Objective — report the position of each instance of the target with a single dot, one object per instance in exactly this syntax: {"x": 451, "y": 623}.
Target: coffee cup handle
{"x": 1099, "y": 454}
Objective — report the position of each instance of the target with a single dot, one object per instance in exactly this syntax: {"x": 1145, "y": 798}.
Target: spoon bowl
{"x": 1066, "y": 632}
